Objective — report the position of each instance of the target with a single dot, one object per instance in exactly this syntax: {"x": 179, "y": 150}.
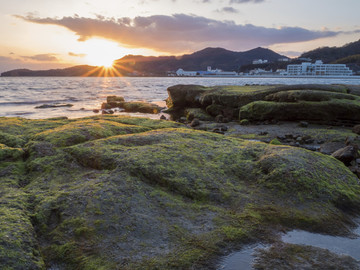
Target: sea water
{"x": 243, "y": 259}
{"x": 19, "y": 96}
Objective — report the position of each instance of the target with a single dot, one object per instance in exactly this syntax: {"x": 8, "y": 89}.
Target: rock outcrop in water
{"x": 130, "y": 106}
{"x": 111, "y": 192}
{"x": 326, "y": 104}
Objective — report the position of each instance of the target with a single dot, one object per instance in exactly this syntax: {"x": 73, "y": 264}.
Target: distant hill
{"x": 81, "y": 70}
{"x": 334, "y": 54}
{"x": 200, "y": 60}
{"x": 159, "y": 66}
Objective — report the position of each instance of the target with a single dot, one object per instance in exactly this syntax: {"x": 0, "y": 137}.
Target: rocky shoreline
{"x": 115, "y": 192}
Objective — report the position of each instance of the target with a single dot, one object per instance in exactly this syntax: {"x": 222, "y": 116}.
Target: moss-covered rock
{"x": 10, "y": 153}
{"x": 142, "y": 107}
{"x": 289, "y": 256}
{"x": 198, "y": 113}
{"x": 279, "y": 102}
{"x": 88, "y": 129}
{"x": 106, "y": 192}
{"x": 324, "y": 111}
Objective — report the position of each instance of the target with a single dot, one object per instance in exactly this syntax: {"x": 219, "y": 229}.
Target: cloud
{"x": 290, "y": 53}
{"x": 9, "y": 63}
{"x": 227, "y": 10}
{"x": 180, "y": 32}
{"x": 48, "y": 57}
{"x": 77, "y": 54}
{"x": 245, "y": 1}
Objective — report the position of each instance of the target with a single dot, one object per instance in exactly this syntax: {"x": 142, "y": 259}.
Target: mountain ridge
{"x": 139, "y": 65}
{"x": 216, "y": 57}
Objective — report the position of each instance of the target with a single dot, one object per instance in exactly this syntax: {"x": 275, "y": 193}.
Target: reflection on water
{"x": 243, "y": 259}
{"x": 19, "y": 94}
{"x": 338, "y": 245}
{"x": 240, "y": 260}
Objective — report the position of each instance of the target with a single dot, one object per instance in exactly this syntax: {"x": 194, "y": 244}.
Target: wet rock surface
{"x": 118, "y": 102}
{"x": 326, "y": 104}
{"x": 109, "y": 191}
{"x": 283, "y": 256}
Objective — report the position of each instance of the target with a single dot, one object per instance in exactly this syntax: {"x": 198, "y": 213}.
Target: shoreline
{"x": 200, "y": 76}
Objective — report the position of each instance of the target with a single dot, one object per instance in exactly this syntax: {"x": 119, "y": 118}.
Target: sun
{"x": 101, "y": 52}
{"x": 103, "y": 62}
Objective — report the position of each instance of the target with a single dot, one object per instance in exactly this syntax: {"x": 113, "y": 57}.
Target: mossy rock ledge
{"x": 327, "y": 104}
{"x": 113, "y": 192}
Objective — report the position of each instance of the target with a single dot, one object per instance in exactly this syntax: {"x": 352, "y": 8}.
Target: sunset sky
{"x": 42, "y": 34}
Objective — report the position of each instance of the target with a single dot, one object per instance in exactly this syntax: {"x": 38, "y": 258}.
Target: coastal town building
{"x": 283, "y": 59}
{"x": 260, "y": 71}
{"x": 180, "y": 72}
{"x": 259, "y": 61}
{"x": 209, "y": 72}
{"x": 318, "y": 69}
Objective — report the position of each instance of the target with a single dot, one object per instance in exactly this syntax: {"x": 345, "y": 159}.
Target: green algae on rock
{"x": 319, "y": 103}
{"x": 110, "y": 192}
{"x": 290, "y": 256}
{"x": 131, "y": 106}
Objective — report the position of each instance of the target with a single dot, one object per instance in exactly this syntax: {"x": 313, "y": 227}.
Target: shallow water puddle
{"x": 338, "y": 245}
{"x": 242, "y": 260}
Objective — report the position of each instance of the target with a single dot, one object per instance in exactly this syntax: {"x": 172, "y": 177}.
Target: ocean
{"x": 19, "y": 96}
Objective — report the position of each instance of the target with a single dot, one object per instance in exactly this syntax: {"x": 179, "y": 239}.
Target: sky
{"x": 43, "y": 34}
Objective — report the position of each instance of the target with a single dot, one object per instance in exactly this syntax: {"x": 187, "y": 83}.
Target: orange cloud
{"x": 180, "y": 33}
{"x": 48, "y": 57}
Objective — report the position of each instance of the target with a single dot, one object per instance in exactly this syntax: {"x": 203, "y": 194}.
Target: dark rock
{"x": 116, "y": 104}
{"x": 182, "y": 120}
{"x": 105, "y": 106}
{"x": 244, "y": 122}
{"x": 142, "y": 107}
{"x": 107, "y": 112}
{"x": 346, "y": 154}
{"x": 163, "y": 117}
{"x": 45, "y": 106}
{"x": 185, "y": 96}
{"x": 96, "y": 111}
{"x": 225, "y": 120}
{"x": 263, "y": 133}
{"x": 195, "y": 122}
{"x": 330, "y": 147}
{"x": 350, "y": 140}
{"x": 228, "y": 113}
{"x": 356, "y": 129}
{"x": 303, "y": 124}
{"x": 290, "y": 256}
{"x": 198, "y": 113}
{"x": 223, "y": 128}
{"x": 110, "y": 99}
{"x": 329, "y": 109}
{"x": 219, "y": 118}
{"x": 218, "y": 130}
{"x": 214, "y": 109}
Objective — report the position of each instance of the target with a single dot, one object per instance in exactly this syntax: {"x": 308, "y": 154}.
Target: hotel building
{"x": 318, "y": 69}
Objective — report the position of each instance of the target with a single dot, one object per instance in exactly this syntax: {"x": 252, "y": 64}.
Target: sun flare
{"x": 101, "y": 52}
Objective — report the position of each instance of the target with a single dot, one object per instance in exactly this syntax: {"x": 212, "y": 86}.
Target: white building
{"x": 219, "y": 72}
{"x": 283, "y": 60}
{"x": 209, "y": 72}
{"x": 318, "y": 69}
{"x": 181, "y": 72}
{"x": 259, "y": 61}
